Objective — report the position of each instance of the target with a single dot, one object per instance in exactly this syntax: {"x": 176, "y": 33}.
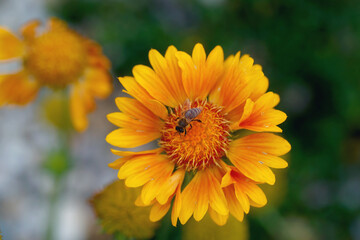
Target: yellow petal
{"x": 240, "y": 114}
{"x": 170, "y": 186}
{"x": 148, "y": 79}
{"x": 81, "y": 103}
{"x": 235, "y": 207}
{"x": 261, "y": 86}
{"x": 140, "y": 203}
{"x": 28, "y": 31}
{"x": 129, "y": 153}
{"x": 99, "y": 82}
{"x": 17, "y": 89}
{"x": 144, "y": 168}
{"x": 258, "y": 110}
{"x": 153, "y": 188}
{"x": 199, "y": 55}
{"x": 218, "y": 218}
{"x": 56, "y": 23}
{"x": 138, "y": 111}
{"x": 255, "y": 193}
{"x": 141, "y": 177}
{"x": 175, "y": 212}
{"x": 189, "y": 198}
{"x": 140, "y": 163}
{"x": 198, "y": 66}
{"x": 138, "y": 92}
{"x": 129, "y": 138}
{"x": 118, "y": 163}
{"x": 199, "y": 74}
{"x": 10, "y": 45}
{"x": 242, "y": 198}
{"x": 188, "y": 74}
{"x": 248, "y": 109}
{"x": 236, "y": 114}
{"x": 227, "y": 179}
{"x": 158, "y": 211}
{"x": 202, "y": 200}
{"x": 168, "y": 73}
{"x": 256, "y": 171}
{"x": 214, "y": 69}
{"x": 265, "y": 158}
{"x": 267, "y": 101}
{"x": 216, "y": 196}
{"x": 236, "y": 85}
{"x": 175, "y": 74}
{"x": 203, "y": 190}
{"x": 266, "y": 122}
{"x": 260, "y": 115}
{"x": 77, "y": 110}
{"x": 134, "y": 108}
{"x": 95, "y": 57}
{"x": 157, "y": 108}
{"x": 254, "y": 204}
{"x": 125, "y": 121}
{"x": 263, "y": 142}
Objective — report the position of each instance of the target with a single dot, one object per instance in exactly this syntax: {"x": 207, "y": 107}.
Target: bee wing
{"x": 186, "y": 107}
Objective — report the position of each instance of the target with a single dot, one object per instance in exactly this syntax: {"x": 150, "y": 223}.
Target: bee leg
{"x": 190, "y": 126}
{"x": 185, "y": 131}
{"x": 197, "y": 120}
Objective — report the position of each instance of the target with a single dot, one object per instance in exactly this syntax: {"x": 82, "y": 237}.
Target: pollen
{"x": 203, "y": 144}
{"x": 56, "y": 58}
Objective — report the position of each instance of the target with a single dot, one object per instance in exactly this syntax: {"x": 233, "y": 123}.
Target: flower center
{"x": 205, "y": 141}
{"x": 56, "y": 58}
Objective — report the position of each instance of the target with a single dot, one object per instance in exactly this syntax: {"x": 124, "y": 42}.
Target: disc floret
{"x": 205, "y": 142}
{"x": 56, "y": 58}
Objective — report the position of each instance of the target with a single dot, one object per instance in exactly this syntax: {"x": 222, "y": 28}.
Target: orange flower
{"x": 197, "y": 106}
{"x": 59, "y": 58}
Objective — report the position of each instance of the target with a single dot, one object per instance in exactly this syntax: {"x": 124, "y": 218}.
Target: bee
{"x": 188, "y": 117}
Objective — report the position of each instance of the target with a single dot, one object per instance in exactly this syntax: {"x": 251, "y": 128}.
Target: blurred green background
{"x": 309, "y": 50}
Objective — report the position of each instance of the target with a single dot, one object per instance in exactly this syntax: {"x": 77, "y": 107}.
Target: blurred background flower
{"x": 309, "y": 50}
{"x": 56, "y": 57}
{"x": 116, "y": 210}
{"x": 206, "y": 229}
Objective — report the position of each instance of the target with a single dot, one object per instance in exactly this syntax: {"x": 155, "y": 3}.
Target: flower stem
{"x": 52, "y": 208}
{"x": 57, "y": 164}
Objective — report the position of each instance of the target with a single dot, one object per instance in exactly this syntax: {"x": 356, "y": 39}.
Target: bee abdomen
{"x": 192, "y": 113}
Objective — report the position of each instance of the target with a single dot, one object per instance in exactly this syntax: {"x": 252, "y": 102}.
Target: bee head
{"x": 179, "y": 129}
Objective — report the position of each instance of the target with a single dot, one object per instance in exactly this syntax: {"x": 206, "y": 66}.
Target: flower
{"x": 115, "y": 208}
{"x": 58, "y": 58}
{"x": 218, "y": 163}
